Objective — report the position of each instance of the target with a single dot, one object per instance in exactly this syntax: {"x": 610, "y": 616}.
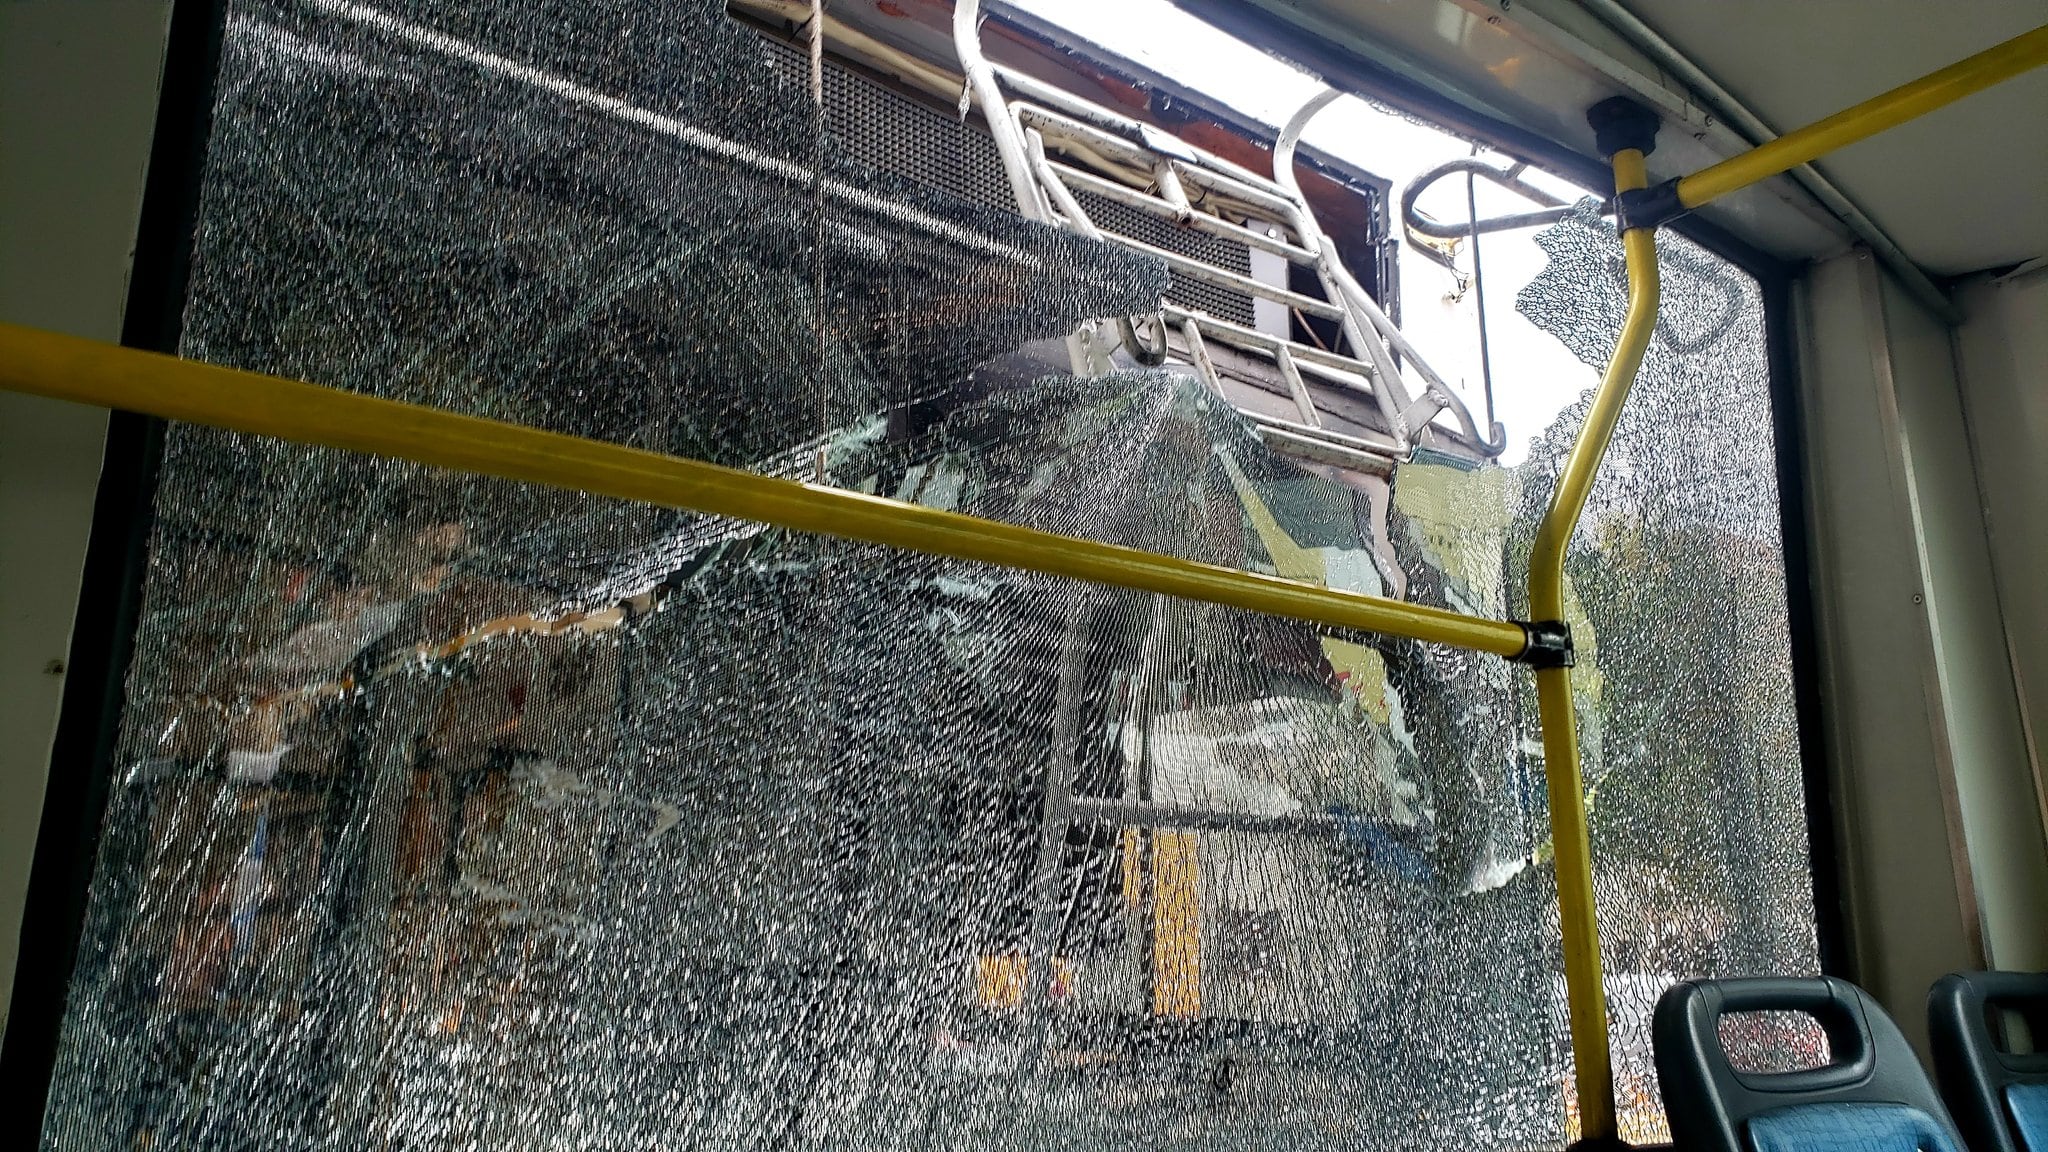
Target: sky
{"x": 1534, "y": 376}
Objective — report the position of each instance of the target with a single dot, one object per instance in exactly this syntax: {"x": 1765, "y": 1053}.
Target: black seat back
{"x": 1999, "y": 1097}
{"x": 1872, "y": 1095}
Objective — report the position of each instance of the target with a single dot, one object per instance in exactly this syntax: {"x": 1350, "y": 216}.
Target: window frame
{"x": 82, "y": 765}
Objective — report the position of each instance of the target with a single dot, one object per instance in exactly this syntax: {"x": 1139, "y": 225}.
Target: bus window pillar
{"x": 1943, "y": 865}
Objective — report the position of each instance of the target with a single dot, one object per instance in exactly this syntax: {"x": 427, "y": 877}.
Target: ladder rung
{"x": 1232, "y": 280}
{"x": 1240, "y": 337}
{"x": 1323, "y": 435}
{"x": 1316, "y": 450}
{"x": 1056, "y": 126}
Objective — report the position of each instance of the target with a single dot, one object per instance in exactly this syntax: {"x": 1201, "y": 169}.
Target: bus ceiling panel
{"x": 1959, "y": 190}
{"x": 1531, "y": 72}
{"x": 1529, "y": 68}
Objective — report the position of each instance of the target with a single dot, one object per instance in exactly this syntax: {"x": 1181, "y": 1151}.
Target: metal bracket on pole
{"x": 1651, "y": 207}
{"x": 1548, "y": 644}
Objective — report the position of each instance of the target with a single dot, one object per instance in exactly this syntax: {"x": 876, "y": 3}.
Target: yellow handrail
{"x": 1584, "y": 991}
{"x": 1584, "y": 995}
{"x": 67, "y": 368}
{"x": 1991, "y": 66}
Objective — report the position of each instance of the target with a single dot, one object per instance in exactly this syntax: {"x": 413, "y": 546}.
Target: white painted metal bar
{"x": 981, "y": 83}
{"x": 1316, "y": 450}
{"x": 1062, "y": 197}
{"x": 1323, "y": 435}
{"x": 1303, "y": 402}
{"x": 1170, "y": 187}
{"x": 1191, "y": 332}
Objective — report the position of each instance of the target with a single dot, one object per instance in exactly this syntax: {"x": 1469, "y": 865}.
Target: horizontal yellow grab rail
{"x": 1906, "y": 102}
{"x": 88, "y": 372}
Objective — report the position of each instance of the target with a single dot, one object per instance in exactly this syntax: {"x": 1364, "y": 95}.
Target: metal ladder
{"x": 1053, "y": 144}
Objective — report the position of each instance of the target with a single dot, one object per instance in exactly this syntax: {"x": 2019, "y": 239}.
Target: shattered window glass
{"x": 458, "y": 813}
{"x": 1676, "y": 580}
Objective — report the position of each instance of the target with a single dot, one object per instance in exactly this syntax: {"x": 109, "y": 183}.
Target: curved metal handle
{"x": 1510, "y": 178}
{"x": 1834, "y": 1005}
{"x": 1150, "y": 355}
{"x": 1408, "y": 418}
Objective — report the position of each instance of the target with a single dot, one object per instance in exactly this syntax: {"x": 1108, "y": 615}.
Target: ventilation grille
{"x": 1221, "y": 303}
{"x": 894, "y": 133}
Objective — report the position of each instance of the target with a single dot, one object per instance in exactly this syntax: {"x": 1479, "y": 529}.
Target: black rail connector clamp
{"x": 1546, "y": 644}
{"x": 1651, "y": 207}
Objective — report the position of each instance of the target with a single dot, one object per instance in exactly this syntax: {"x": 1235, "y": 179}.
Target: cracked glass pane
{"x": 1691, "y": 743}
{"x": 460, "y": 813}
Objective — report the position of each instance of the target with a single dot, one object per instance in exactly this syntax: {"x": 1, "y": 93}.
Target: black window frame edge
{"x": 89, "y": 717}
{"x": 1348, "y": 70}
{"x": 81, "y": 765}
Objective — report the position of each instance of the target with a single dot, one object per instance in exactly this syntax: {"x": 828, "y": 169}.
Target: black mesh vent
{"x": 895, "y": 133}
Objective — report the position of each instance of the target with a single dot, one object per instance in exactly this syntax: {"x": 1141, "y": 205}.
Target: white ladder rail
{"x": 1171, "y": 175}
{"x": 1053, "y": 143}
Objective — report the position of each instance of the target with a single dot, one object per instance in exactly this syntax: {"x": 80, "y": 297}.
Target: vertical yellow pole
{"x": 1586, "y": 997}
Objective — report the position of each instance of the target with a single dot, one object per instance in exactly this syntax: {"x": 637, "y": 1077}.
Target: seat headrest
{"x": 1711, "y": 1101}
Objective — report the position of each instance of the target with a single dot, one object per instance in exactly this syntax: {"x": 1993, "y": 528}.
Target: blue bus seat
{"x": 1999, "y": 1097}
{"x": 1873, "y": 1096}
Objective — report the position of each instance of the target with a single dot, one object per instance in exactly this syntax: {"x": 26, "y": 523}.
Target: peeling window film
{"x": 455, "y": 813}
